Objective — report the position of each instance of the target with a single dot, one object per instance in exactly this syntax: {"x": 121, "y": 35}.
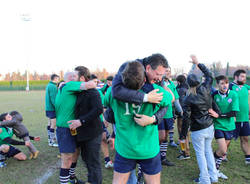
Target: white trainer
{"x": 221, "y": 175}
{"x": 109, "y": 164}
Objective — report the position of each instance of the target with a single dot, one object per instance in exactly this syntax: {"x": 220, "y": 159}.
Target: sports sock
{"x": 140, "y": 173}
{"x": 106, "y": 159}
{"x": 52, "y": 134}
{"x": 218, "y": 161}
{"x": 48, "y": 130}
{"x": 171, "y": 136}
{"x": 163, "y": 149}
{"x": 247, "y": 158}
{"x": 64, "y": 176}
{"x": 72, "y": 171}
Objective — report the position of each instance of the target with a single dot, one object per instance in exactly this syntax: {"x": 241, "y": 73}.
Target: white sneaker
{"x": 53, "y": 144}
{"x": 221, "y": 175}
{"x": 109, "y": 165}
{"x": 247, "y": 162}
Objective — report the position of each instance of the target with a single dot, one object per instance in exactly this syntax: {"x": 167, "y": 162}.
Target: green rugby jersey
{"x": 102, "y": 99}
{"x": 132, "y": 140}
{"x": 6, "y": 132}
{"x": 226, "y": 103}
{"x": 65, "y": 103}
{"x": 50, "y": 96}
{"x": 172, "y": 87}
{"x": 242, "y": 91}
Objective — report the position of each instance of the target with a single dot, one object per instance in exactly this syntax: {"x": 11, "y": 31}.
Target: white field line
{"x": 48, "y": 174}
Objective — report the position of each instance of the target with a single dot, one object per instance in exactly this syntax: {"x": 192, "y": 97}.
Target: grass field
{"x": 31, "y": 106}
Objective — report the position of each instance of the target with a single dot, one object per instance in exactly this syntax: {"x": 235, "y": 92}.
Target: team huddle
{"x": 141, "y": 103}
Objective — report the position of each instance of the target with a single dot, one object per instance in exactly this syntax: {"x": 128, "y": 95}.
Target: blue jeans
{"x": 202, "y": 140}
{"x": 132, "y": 178}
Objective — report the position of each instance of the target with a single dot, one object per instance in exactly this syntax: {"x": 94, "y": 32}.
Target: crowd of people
{"x": 141, "y": 103}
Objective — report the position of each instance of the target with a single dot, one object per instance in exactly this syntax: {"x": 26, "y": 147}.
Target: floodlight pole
{"x": 26, "y": 18}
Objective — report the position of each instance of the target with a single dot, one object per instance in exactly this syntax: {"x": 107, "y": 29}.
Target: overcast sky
{"x": 105, "y": 33}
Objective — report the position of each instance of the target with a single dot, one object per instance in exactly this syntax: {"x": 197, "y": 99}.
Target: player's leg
{"x": 52, "y": 132}
{"x": 163, "y": 143}
{"x": 244, "y": 133}
{"x": 153, "y": 179}
{"x": 48, "y": 131}
{"x": 120, "y": 178}
{"x": 66, "y": 161}
{"x": 67, "y": 148}
{"x": 171, "y": 132}
{"x": 33, "y": 151}
{"x": 105, "y": 148}
{"x": 220, "y": 152}
{"x": 169, "y": 125}
{"x": 16, "y": 153}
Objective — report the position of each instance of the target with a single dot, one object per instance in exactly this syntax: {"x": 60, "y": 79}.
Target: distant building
{"x": 1, "y": 77}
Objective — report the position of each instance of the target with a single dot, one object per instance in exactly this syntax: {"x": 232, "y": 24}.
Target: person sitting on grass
{"x": 14, "y": 120}
{"x": 6, "y": 142}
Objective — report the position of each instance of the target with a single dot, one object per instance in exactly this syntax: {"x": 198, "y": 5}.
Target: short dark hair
{"x": 156, "y": 60}
{"x": 93, "y": 76}
{"x": 238, "y": 72}
{"x": 221, "y": 77}
{"x": 3, "y": 116}
{"x": 110, "y": 78}
{"x": 13, "y": 113}
{"x": 181, "y": 79}
{"x": 133, "y": 75}
{"x": 83, "y": 71}
{"x": 53, "y": 76}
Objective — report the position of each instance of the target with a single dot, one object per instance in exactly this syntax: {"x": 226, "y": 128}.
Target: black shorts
{"x": 149, "y": 166}
{"x": 228, "y": 135}
{"x": 66, "y": 142}
{"x": 11, "y": 153}
{"x": 242, "y": 129}
{"x": 166, "y": 124}
{"x": 51, "y": 114}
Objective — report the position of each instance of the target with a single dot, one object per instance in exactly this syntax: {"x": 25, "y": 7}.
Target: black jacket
{"x": 195, "y": 108}
{"x": 88, "y": 109}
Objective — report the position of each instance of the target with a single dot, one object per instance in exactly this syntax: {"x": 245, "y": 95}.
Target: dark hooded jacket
{"x": 16, "y": 123}
{"x": 195, "y": 107}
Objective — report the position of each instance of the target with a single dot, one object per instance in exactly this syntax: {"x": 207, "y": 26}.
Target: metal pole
{"x": 26, "y": 18}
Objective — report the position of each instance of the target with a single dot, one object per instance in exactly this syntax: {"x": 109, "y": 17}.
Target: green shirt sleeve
{"x": 102, "y": 96}
{"x": 174, "y": 90}
{"x": 235, "y": 102}
{"x": 247, "y": 86}
{"x": 74, "y": 86}
{"x": 103, "y": 88}
{"x": 107, "y": 97}
{"x": 167, "y": 97}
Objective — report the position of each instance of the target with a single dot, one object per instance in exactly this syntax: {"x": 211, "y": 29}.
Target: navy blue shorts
{"x": 150, "y": 166}
{"x": 228, "y": 135}
{"x": 66, "y": 142}
{"x": 51, "y": 114}
{"x": 166, "y": 124}
{"x": 11, "y": 153}
{"x": 242, "y": 129}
